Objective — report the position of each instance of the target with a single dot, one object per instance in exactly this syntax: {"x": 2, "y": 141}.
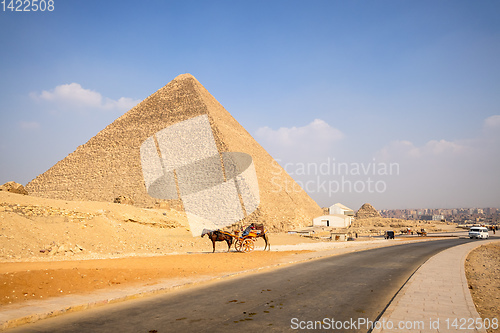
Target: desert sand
{"x": 51, "y": 248}
{"x": 482, "y": 268}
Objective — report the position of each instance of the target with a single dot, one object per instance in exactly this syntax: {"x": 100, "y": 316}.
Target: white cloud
{"x": 438, "y": 172}
{"x": 438, "y": 148}
{"x": 492, "y": 122}
{"x": 74, "y": 95}
{"x": 299, "y": 143}
{"x": 29, "y": 125}
{"x": 399, "y": 148}
{"x": 316, "y": 132}
{"x": 432, "y": 149}
{"x": 123, "y": 103}
{"x": 484, "y": 144}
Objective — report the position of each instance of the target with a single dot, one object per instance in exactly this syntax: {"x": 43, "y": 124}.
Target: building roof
{"x": 338, "y": 204}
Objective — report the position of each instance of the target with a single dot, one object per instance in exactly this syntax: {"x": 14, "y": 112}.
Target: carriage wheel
{"x": 247, "y": 245}
{"x": 237, "y": 244}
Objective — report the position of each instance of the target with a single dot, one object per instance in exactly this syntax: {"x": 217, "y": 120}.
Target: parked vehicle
{"x": 389, "y": 234}
{"x": 478, "y": 232}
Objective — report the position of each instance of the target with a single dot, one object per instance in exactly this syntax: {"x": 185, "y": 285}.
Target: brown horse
{"x": 218, "y": 236}
{"x": 262, "y": 234}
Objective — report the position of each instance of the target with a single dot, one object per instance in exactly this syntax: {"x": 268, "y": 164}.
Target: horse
{"x": 218, "y": 236}
{"x": 262, "y": 234}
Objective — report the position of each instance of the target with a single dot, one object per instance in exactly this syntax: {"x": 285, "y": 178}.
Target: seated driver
{"x": 248, "y": 229}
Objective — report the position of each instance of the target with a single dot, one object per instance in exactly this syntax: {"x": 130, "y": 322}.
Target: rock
{"x": 124, "y": 200}
{"x": 14, "y": 188}
{"x": 367, "y": 211}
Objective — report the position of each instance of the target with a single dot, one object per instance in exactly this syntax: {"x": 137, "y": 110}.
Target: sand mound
{"x": 13, "y": 187}
{"x": 377, "y": 225}
{"x": 39, "y": 229}
{"x": 36, "y": 228}
{"x": 368, "y": 221}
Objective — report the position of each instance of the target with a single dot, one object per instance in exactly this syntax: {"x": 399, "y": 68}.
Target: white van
{"x": 478, "y": 232}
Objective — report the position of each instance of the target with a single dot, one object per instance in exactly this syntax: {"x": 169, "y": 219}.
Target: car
{"x": 389, "y": 234}
{"x": 478, "y": 232}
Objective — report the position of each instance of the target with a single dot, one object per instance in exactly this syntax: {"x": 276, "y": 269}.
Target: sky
{"x": 395, "y": 103}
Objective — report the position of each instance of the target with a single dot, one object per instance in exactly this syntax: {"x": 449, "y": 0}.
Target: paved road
{"x": 355, "y": 286}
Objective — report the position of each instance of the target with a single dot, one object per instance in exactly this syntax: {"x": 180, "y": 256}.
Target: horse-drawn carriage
{"x": 246, "y": 243}
{"x": 242, "y": 243}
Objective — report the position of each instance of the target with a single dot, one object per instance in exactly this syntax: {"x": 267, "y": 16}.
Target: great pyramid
{"x": 367, "y": 211}
{"x": 109, "y": 164}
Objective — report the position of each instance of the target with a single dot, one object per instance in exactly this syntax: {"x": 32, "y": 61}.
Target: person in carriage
{"x": 247, "y": 230}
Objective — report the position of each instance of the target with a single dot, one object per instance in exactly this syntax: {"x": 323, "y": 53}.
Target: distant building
{"x": 333, "y": 220}
{"x": 339, "y": 208}
{"x": 339, "y": 216}
{"x": 432, "y": 217}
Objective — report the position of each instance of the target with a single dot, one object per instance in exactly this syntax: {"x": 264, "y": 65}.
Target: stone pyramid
{"x": 367, "y": 211}
{"x": 133, "y": 156}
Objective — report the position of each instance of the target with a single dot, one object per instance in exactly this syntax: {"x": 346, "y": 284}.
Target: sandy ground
{"x": 482, "y": 268}
{"x": 24, "y": 281}
{"x": 38, "y": 229}
{"x": 50, "y": 248}
{"x": 37, "y": 280}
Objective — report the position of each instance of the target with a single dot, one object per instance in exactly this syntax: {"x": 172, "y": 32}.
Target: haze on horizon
{"x": 363, "y": 85}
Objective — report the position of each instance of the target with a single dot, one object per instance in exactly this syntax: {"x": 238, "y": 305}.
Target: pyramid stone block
{"x": 224, "y": 158}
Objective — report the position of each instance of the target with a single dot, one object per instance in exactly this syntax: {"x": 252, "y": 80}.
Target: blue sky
{"x": 415, "y": 83}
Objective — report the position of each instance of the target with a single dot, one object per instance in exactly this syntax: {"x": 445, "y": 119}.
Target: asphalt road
{"x": 353, "y": 287}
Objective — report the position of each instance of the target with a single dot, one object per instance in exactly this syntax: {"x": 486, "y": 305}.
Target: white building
{"x": 333, "y": 220}
{"x": 339, "y": 208}
{"x": 339, "y": 216}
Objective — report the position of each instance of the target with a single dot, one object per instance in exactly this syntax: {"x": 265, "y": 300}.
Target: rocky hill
{"x": 13, "y": 187}
{"x": 367, "y": 211}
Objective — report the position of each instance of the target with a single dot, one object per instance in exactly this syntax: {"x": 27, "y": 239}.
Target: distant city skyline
{"x": 366, "y": 85}
{"x": 487, "y": 215}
